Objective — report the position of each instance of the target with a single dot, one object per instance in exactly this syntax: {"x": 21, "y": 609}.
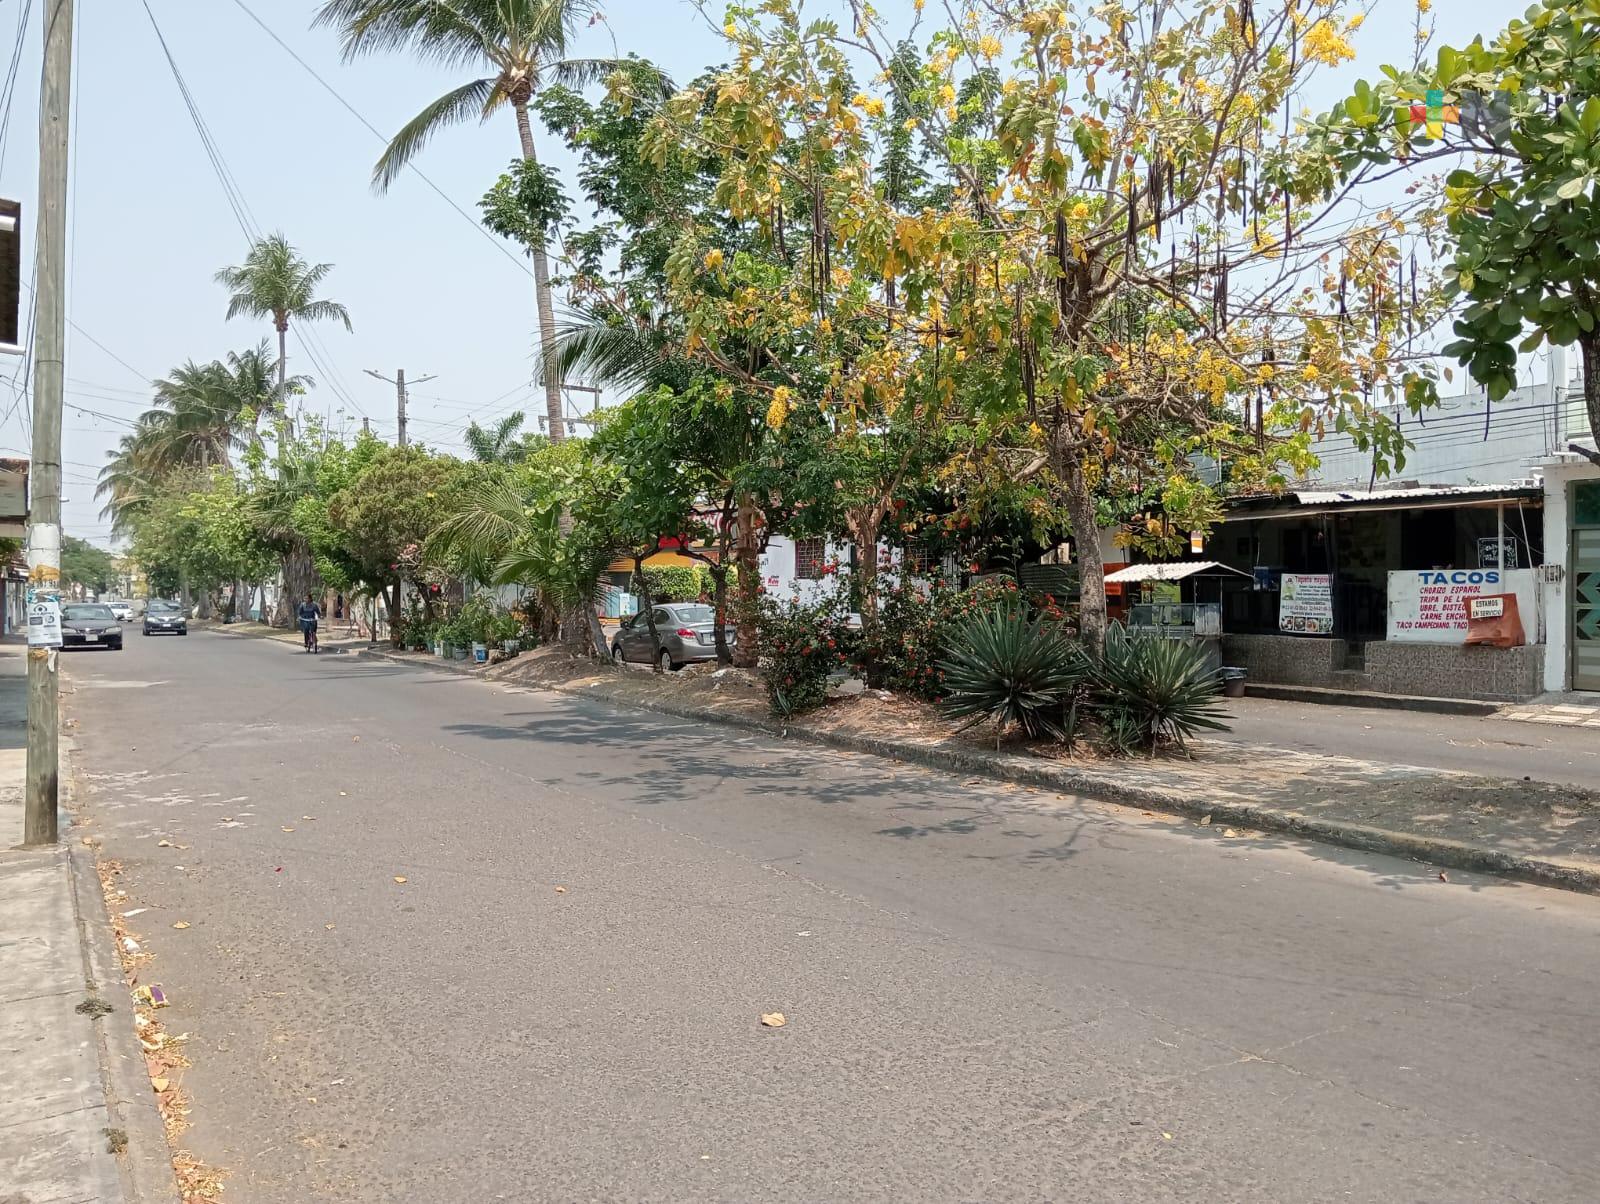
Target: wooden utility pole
{"x": 398, "y": 380}
{"x": 49, "y": 370}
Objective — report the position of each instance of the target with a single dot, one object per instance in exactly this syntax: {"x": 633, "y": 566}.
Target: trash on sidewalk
{"x": 774, "y": 1019}
{"x": 153, "y": 995}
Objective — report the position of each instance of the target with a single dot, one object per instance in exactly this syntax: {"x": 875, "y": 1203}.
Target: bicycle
{"x": 310, "y": 633}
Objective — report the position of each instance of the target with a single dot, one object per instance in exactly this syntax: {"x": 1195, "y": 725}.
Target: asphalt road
{"x": 1485, "y": 744}
{"x": 991, "y": 994}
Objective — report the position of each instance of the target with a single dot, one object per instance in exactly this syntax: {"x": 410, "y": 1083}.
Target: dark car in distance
{"x": 90, "y": 625}
{"x": 163, "y": 617}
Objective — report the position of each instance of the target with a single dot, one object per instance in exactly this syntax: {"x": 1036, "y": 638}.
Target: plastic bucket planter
{"x": 480, "y": 654}
{"x": 459, "y": 652}
{"x": 1232, "y": 682}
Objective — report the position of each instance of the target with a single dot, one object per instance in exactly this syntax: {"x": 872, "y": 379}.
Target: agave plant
{"x": 1010, "y": 669}
{"x": 1164, "y": 689}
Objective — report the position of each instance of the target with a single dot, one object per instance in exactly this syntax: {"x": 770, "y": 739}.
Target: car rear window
{"x": 695, "y": 614}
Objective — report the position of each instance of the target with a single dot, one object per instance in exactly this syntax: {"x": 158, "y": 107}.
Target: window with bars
{"x": 918, "y": 562}
{"x": 810, "y": 556}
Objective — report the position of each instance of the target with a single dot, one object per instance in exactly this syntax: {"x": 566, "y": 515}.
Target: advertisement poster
{"x": 1430, "y": 606}
{"x": 44, "y": 624}
{"x": 1305, "y": 604}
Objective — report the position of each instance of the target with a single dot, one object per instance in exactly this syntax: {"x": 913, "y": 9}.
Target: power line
{"x": 376, "y": 133}
{"x": 8, "y": 90}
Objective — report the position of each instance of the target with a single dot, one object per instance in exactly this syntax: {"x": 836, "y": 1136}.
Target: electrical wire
{"x": 9, "y": 88}
{"x": 376, "y": 133}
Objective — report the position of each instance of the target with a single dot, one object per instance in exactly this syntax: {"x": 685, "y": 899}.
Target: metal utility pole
{"x": 398, "y": 380}
{"x": 44, "y": 531}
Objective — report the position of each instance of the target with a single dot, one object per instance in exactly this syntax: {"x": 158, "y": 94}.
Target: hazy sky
{"x": 149, "y": 224}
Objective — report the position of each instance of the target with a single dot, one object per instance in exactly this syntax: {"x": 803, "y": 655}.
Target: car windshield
{"x": 162, "y": 608}
{"x": 695, "y": 614}
{"x": 87, "y": 614}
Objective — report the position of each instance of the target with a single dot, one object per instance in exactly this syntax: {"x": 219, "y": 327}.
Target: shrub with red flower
{"x": 801, "y": 643}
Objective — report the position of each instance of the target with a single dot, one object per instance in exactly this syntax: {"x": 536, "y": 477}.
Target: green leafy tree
{"x": 95, "y": 569}
{"x": 520, "y": 45}
{"x": 389, "y": 509}
{"x": 1521, "y": 206}
{"x": 276, "y": 283}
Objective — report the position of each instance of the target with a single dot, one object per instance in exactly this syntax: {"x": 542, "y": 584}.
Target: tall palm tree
{"x": 205, "y": 412}
{"x": 127, "y": 483}
{"x": 500, "y": 444}
{"x": 275, "y": 282}
{"x": 520, "y": 45}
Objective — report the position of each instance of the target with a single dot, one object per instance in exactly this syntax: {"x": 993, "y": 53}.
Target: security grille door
{"x": 1586, "y": 585}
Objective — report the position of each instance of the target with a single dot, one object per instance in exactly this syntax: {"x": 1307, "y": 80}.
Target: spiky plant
{"x": 1165, "y": 688}
{"x": 1011, "y": 670}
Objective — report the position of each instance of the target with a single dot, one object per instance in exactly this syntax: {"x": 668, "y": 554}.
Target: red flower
{"x": 973, "y": 567}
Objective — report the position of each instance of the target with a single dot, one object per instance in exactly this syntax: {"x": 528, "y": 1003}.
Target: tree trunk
{"x": 647, "y": 605}
{"x": 1590, "y": 346}
{"x": 541, "y": 286}
{"x": 747, "y": 555}
{"x": 183, "y": 590}
{"x": 299, "y": 579}
{"x": 864, "y": 525}
{"x": 1086, "y": 537}
{"x": 283, "y": 382}
{"x": 719, "y": 607}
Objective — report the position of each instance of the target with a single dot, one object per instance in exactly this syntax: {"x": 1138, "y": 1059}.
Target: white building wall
{"x": 1558, "y": 476}
{"x": 1524, "y": 429}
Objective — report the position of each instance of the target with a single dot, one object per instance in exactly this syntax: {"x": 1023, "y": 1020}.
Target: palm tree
{"x": 500, "y": 444}
{"x": 205, "y": 412}
{"x": 520, "y": 44}
{"x": 127, "y": 484}
{"x": 275, "y": 282}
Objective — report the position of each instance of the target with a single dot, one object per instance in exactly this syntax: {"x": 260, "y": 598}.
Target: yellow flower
{"x": 1424, "y": 5}
{"x": 917, "y": 4}
{"x": 874, "y": 106}
{"x": 731, "y": 29}
{"x": 989, "y": 46}
{"x": 1080, "y": 211}
{"x": 713, "y": 259}
{"x": 1324, "y": 44}
{"x": 947, "y": 94}
{"x": 1310, "y": 373}
{"x": 1355, "y": 23}
{"x": 778, "y": 411}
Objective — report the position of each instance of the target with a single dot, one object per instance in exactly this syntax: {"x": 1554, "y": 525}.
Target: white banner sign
{"x": 1429, "y": 606}
{"x": 1305, "y": 603}
{"x": 44, "y": 624}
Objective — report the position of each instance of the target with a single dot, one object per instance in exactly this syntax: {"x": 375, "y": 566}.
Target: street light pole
{"x": 44, "y": 531}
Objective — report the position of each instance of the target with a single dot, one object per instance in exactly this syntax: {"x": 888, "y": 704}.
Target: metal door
{"x": 1585, "y": 575}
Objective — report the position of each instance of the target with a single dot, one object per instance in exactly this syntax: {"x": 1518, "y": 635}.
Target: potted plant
{"x": 505, "y": 631}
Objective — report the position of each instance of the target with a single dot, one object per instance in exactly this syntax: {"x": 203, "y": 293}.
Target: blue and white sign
{"x": 1429, "y": 606}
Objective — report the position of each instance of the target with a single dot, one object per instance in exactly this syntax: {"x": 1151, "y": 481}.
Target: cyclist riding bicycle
{"x": 309, "y": 613}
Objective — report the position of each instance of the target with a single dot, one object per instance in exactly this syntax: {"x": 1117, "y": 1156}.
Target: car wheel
{"x": 616, "y": 655}
{"x": 666, "y": 662}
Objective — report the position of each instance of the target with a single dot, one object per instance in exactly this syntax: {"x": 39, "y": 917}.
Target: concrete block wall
{"x": 1432, "y": 670}
{"x": 1455, "y": 671}
{"x": 1285, "y": 659}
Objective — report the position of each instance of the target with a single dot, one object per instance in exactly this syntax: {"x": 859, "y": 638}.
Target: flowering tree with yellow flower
{"x": 1080, "y": 229}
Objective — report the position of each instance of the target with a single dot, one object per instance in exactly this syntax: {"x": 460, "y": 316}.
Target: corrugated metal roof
{"x": 1312, "y": 499}
{"x": 1175, "y": 570}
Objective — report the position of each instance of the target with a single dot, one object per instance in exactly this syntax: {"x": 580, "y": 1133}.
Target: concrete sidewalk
{"x": 78, "y": 1120}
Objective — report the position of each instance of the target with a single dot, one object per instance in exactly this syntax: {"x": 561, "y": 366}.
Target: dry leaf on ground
{"x": 561, "y": 890}
{"x": 1205, "y": 822}
{"x": 181, "y": 924}
{"x": 288, "y": 829}
{"x": 400, "y": 878}
{"x": 774, "y": 1019}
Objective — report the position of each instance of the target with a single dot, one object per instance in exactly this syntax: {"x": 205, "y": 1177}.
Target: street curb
{"x": 1027, "y": 771}
{"x": 1383, "y": 702}
{"x": 146, "y": 1163}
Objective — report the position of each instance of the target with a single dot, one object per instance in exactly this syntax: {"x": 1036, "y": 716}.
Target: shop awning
{"x": 1176, "y": 570}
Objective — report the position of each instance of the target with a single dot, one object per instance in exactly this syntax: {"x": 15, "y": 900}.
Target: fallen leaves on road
{"x": 181, "y": 925}
{"x": 561, "y": 890}
{"x": 342, "y": 794}
{"x": 774, "y": 1019}
{"x": 1442, "y": 877}
{"x": 400, "y": 878}
{"x": 160, "y": 1084}
{"x": 329, "y": 927}
{"x": 163, "y": 844}
{"x": 1205, "y": 821}
{"x": 286, "y": 828}
{"x": 308, "y": 818}
{"x": 1229, "y": 832}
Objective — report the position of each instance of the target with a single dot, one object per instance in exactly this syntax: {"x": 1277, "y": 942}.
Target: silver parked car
{"x": 687, "y": 631}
